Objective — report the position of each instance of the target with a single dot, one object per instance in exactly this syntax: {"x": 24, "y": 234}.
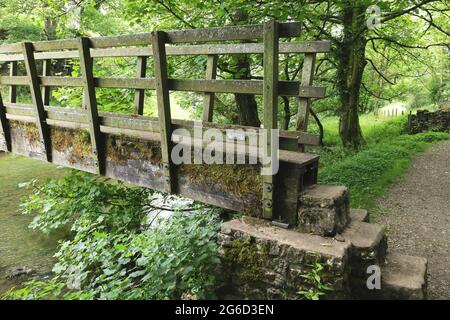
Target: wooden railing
{"x": 159, "y": 45}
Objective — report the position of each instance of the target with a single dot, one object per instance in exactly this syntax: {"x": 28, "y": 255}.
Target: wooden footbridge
{"x": 135, "y": 148}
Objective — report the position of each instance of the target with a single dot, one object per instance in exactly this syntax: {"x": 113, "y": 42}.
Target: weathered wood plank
{"x": 143, "y": 123}
{"x": 287, "y": 30}
{"x": 142, "y": 132}
{"x": 46, "y": 66}
{"x": 86, "y": 65}
{"x": 163, "y": 101}
{"x": 14, "y": 80}
{"x": 13, "y": 88}
{"x": 36, "y": 97}
{"x": 286, "y": 88}
{"x": 139, "y": 94}
{"x": 304, "y": 103}
{"x": 206, "y": 49}
{"x": 270, "y": 102}
{"x": 208, "y": 99}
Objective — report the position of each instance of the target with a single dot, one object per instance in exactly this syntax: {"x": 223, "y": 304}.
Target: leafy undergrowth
{"x": 114, "y": 252}
{"x": 385, "y": 157}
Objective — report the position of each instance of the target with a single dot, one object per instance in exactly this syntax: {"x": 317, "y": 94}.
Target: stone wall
{"x": 425, "y": 120}
{"x": 327, "y": 255}
{"x": 261, "y": 261}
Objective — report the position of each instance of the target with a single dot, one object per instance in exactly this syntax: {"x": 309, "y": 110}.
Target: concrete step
{"x": 402, "y": 278}
{"x": 359, "y": 215}
{"x": 368, "y": 246}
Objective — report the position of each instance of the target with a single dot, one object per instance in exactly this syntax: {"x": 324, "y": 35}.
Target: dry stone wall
{"x": 425, "y": 121}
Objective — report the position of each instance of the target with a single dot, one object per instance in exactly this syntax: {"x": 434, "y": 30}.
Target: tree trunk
{"x": 287, "y": 113}
{"x": 352, "y": 62}
{"x": 246, "y": 103}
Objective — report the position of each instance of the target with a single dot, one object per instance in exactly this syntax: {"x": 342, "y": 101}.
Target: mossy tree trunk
{"x": 246, "y": 103}
{"x": 352, "y": 62}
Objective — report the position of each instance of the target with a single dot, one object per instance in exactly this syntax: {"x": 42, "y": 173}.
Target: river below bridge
{"x": 21, "y": 247}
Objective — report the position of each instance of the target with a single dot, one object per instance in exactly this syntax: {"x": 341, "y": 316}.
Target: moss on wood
{"x": 122, "y": 148}
{"x": 30, "y": 131}
{"x": 78, "y": 142}
{"x": 241, "y": 180}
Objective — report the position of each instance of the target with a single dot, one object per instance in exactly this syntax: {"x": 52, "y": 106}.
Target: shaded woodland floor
{"x": 417, "y": 215}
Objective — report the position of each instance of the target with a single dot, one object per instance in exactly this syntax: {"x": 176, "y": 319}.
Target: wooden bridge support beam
{"x": 304, "y": 104}
{"x": 270, "y": 100}
{"x": 208, "y": 102}
{"x": 163, "y": 101}
{"x": 46, "y": 67}
{"x": 139, "y": 94}
{"x": 36, "y": 96}
{"x": 90, "y": 100}
{"x": 12, "y": 88}
{"x": 4, "y": 125}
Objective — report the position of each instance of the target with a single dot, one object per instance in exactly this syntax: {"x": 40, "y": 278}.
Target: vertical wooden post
{"x": 4, "y": 125}
{"x": 139, "y": 94}
{"x": 163, "y": 101}
{"x": 304, "y": 104}
{"x": 90, "y": 100}
{"x": 46, "y": 65}
{"x": 36, "y": 96}
{"x": 13, "y": 88}
{"x": 270, "y": 100}
{"x": 208, "y": 100}
{"x": 5, "y": 130}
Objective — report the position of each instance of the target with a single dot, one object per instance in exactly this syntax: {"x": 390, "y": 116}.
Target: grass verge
{"x": 386, "y": 157}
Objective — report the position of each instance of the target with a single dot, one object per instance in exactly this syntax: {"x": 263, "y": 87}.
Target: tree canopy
{"x": 383, "y": 51}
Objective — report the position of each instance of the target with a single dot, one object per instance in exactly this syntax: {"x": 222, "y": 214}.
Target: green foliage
{"x": 114, "y": 252}
{"x": 82, "y": 202}
{"x": 315, "y": 278}
{"x": 386, "y": 156}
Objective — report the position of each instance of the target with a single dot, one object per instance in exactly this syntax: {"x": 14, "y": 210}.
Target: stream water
{"x": 20, "y": 246}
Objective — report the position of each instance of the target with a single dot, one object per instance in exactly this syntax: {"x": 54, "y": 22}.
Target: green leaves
{"x": 114, "y": 253}
{"x": 316, "y": 282}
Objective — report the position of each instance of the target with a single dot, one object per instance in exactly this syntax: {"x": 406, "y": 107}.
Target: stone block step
{"x": 402, "y": 278}
{"x": 324, "y": 210}
{"x": 368, "y": 246}
{"x": 359, "y": 215}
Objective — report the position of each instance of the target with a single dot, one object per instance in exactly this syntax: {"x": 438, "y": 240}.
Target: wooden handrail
{"x": 322, "y": 46}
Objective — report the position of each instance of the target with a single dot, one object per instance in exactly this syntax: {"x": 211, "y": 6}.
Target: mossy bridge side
{"x": 135, "y": 148}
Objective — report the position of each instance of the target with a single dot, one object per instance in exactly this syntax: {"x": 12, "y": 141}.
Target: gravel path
{"x": 418, "y": 216}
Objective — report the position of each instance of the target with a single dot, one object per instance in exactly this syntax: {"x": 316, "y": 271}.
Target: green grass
{"x": 385, "y": 157}
{"x": 20, "y": 246}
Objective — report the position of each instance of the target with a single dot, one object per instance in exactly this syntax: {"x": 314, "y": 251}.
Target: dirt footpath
{"x": 418, "y": 216}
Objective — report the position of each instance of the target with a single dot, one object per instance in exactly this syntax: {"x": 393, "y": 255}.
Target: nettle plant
{"x": 112, "y": 251}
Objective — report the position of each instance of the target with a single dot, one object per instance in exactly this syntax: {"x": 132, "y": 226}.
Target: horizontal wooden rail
{"x": 286, "y": 88}
{"x": 287, "y": 30}
{"x": 249, "y": 150}
{"x": 208, "y": 49}
{"x": 137, "y": 123}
